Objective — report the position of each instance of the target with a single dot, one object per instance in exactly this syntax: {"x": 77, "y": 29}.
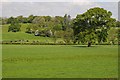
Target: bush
{"x": 14, "y": 27}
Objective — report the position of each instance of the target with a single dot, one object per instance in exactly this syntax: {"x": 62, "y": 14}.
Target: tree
{"x": 57, "y": 34}
{"x": 47, "y": 18}
{"x": 30, "y": 18}
{"x": 57, "y": 27}
{"x": 25, "y": 20}
{"x": 119, "y": 36}
{"x": 56, "y": 23}
{"x": 30, "y": 29}
{"x": 66, "y": 22}
{"x": 10, "y": 20}
{"x": 118, "y": 24}
{"x": 3, "y": 20}
{"x": 94, "y": 18}
{"x": 39, "y": 20}
{"x": 15, "y": 26}
{"x": 102, "y": 35}
{"x": 20, "y": 19}
{"x": 68, "y": 36}
{"x": 113, "y": 35}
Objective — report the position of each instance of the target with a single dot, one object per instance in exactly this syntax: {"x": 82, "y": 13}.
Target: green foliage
{"x": 29, "y": 30}
{"x": 39, "y": 20}
{"x": 68, "y": 36}
{"x": 86, "y": 24}
{"x": 20, "y": 19}
{"x": 47, "y": 18}
{"x": 118, "y": 24}
{"x": 66, "y": 22}
{"x": 102, "y": 35}
{"x": 91, "y": 37}
{"x": 57, "y": 27}
{"x": 81, "y": 37}
{"x": 10, "y": 20}
{"x": 84, "y": 37}
{"x": 4, "y": 21}
{"x": 30, "y": 18}
{"x": 113, "y": 36}
{"x": 119, "y": 36}
{"x": 15, "y": 26}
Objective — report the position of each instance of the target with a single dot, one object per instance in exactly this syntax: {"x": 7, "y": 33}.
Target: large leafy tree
{"x": 95, "y": 19}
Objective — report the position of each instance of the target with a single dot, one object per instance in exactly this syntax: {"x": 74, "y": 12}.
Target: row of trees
{"x": 90, "y": 27}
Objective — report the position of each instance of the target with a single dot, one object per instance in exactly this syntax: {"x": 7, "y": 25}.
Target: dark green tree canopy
{"x": 14, "y": 26}
{"x": 93, "y": 19}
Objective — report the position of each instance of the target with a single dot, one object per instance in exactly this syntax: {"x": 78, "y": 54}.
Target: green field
{"x": 56, "y": 61}
{"x": 7, "y": 36}
{"x": 59, "y": 61}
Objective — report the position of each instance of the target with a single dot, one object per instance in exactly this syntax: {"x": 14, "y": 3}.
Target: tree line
{"x": 93, "y": 26}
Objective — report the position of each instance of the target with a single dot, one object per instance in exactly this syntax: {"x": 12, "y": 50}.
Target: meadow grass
{"x": 12, "y": 36}
{"x": 60, "y": 61}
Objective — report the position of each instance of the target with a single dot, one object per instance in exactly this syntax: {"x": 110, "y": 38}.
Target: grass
{"x": 21, "y": 35}
{"x": 59, "y": 61}
{"x": 56, "y": 61}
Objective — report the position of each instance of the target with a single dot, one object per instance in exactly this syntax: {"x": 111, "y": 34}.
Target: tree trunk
{"x": 89, "y": 44}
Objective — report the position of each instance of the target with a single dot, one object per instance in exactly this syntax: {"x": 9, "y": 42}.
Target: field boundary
{"x": 60, "y": 79}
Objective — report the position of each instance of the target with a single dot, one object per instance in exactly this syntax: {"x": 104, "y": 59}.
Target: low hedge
{"x": 46, "y": 43}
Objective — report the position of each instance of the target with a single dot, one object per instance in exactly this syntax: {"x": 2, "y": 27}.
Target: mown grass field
{"x": 60, "y": 61}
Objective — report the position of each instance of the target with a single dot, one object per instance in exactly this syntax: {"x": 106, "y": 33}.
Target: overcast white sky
{"x": 54, "y": 8}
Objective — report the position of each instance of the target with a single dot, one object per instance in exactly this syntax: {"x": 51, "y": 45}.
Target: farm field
{"x": 15, "y": 36}
{"x": 59, "y": 40}
{"x": 59, "y": 61}
{"x": 21, "y": 35}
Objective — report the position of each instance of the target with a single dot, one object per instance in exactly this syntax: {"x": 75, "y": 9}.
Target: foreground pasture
{"x": 60, "y": 61}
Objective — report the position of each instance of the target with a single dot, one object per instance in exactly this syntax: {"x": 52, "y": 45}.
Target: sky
{"x": 54, "y": 7}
